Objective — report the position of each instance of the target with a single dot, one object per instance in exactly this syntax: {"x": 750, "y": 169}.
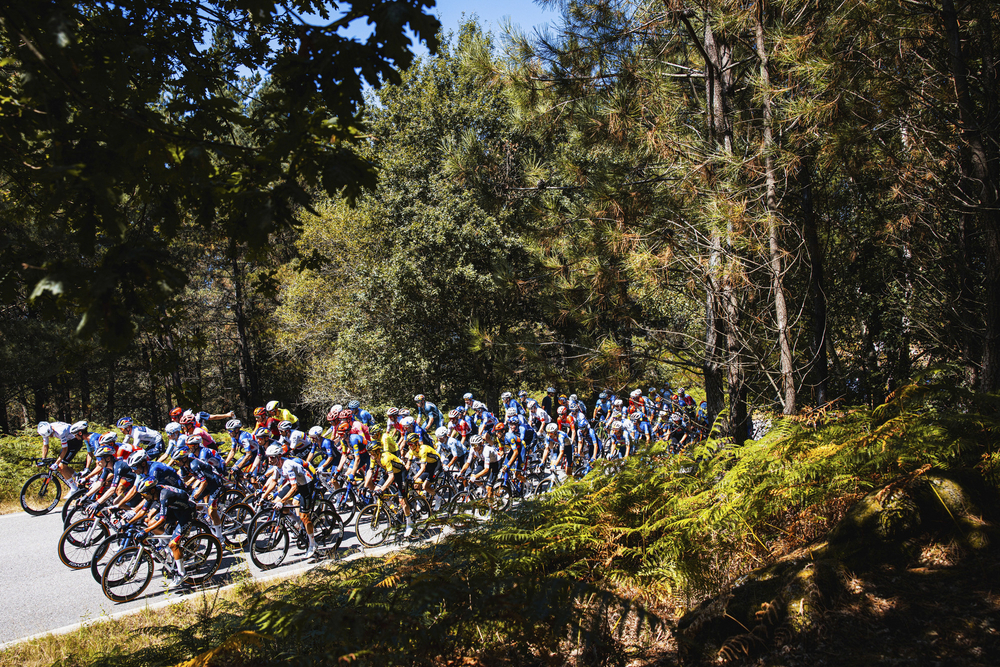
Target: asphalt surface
{"x": 41, "y": 594}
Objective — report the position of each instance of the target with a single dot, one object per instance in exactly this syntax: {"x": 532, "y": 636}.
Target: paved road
{"x": 42, "y": 594}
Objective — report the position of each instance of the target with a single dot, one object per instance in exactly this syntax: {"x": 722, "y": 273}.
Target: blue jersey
{"x": 164, "y": 474}
{"x": 433, "y": 416}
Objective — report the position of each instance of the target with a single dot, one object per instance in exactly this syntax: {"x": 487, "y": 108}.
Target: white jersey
{"x": 294, "y": 472}
{"x": 59, "y": 430}
{"x": 141, "y": 435}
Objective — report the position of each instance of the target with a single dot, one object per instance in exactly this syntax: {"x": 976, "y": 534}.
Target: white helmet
{"x": 551, "y": 427}
{"x": 476, "y": 440}
{"x": 478, "y": 405}
{"x": 234, "y": 424}
{"x": 77, "y": 427}
{"x": 441, "y": 431}
{"x": 272, "y": 405}
{"x": 505, "y": 396}
{"x": 193, "y": 440}
{"x": 511, "y": 412}
{"x": 273, "y": 450}
{"x": 137, "y": 457}
{"x": 285, "y": 426}
{"x": 337, "y": 407}
{"x": 616, "y": 425}
{"x": 406, "y": 422}
{"x": 316, "y": 430}
{"x": 636, "y": 394}
{"x": 44, "y": 429}
{"x": 172, "y": 427}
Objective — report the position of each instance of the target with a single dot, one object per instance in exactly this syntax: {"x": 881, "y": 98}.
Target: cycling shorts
{"x": 430, "y": 472}
{"x": 304, "y": 497}
{"x": 72, "y": 447}
{"x": 491, "y": 478}
{"x": 182, "y": 519}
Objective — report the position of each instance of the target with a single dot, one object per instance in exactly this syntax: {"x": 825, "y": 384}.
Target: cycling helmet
{"x": 262, "y": 432}
{"x": 562, "y": 398}
{"x": 551, "y": 427}
{"x": 137, "y": 457}
{"x": 176, "y": 412}
{"x": 354, "y": 405}
{"x": 343, "y": 427}
{"x": 475, "y": 441}
{"x": 181, "y": 453}
{"x": 680, "y": 391}
{"x": 406, "y": 422}
{"x": 331, "y": 416}
{"x": 572, "y": 397}
{"x": 374, "y": 446}
{"x": 506, "y": 396}
{"x": 392, "y": 412}
{"x": 419, "y": 398}
{"x": 561, "y": 411}
{"x": 573, "y": 405}
{"x": 467, "y": 396}
{"x": 676, "y": 417}
{"x": 619, "y": 403}
{"x": 234, "y": 425}
{"x": 186, "y": 420}
{"x": 441, "y": 431}
{"x": 500, "y": 428}
{"x": 193, "y": 441}
{"x": 374, "y": 430}
{"x": 635, "y": 416}
{"x": 461, "y": 409}
{"x": 522, "y": 394}
{"x": 404, "y": 412}
{"x": 477, "y": 405}
{"x": 337, "y": 407}
{"x": 663, "y": 413}
{"x": 172, "y": 427}
{"x": 532, "y": 403}
{"x": 603, "y": 395}
{"x": 346, "y": 414}
{"x": 616, "y": 425}
{"x": 125, "y": 422}
{"x": 512, "y": 420}
{"x": 636, "y": 393}
{"x": 550, "y": 390}
{"x": 412, "y": 438}
{"x": 652, "y": 390}
{"x": 272, "y": 406}
{"x": 285, "y": 426}
{"x": 104, "y": 450}
{"x": 273, "y": 450}
{"x": 78, "y": 427}
{"x": 44, "y": 429}
{"x": 510, "y": 412}
{"x": 145, "y": 484}
{"x": 259, "y": 412}
{"x": 453, "y": 414}
{"x": 316, "y": 431}
{"x": 703, "y": 405}
{"x": 107, "y": 439}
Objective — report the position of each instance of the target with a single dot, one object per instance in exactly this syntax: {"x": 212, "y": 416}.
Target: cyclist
{"x": 429, "y": 460}
{"x": 558, "y": 441}
{"x": 104, "y": 461}
{"x": 356, "y": 447}
{"x": 485, "y": 453}
{"x": 299, "y": 488}
{"x": 468, "y": 402}
{"x": 676, "y": 433}
{"x": 141, "y": 465}
{"x": 175, "y": 438}
{"x": 513, "y": 445}
{"x": 70, "y": 446}
{"x": 208, "y": 485}
{"x": 143, "y": 437}
{"x": 588, "y": 445}
{"x": 176, "y": 509}
{"x": 483, "y": 421}
{"x": 241, "y": 441}
{"x": 323, "y": 446}
{"x": 460, "y": 426}
{"x": 619, "y": 441}
{"x": 278, "y": 414}
{"x": 292, "y": 440}
{"x": 566, "y": 423}
{"x": 452, "y": 448}
{"x": 602, "y": 407}
{"x": 428, "y": 415}
{"x": 641, "y": 429}
{"x": 359, "y": 415}
{"x": 395, "y": 474}
{"x": 192, "y": 428}
{"x": 90, "y": 440}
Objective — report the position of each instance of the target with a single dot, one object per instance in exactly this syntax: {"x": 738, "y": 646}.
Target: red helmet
{"x": 561, "y": 410}
{"x": 259, "y": 412}
{"x": 392, "y": 412}
{"x": 346, "y": 414}
{"x": 500, "y": 428}
{"x": 187, "y": 419}
{"x": 343, "y": 427}
{"x": 176, "y": 412}
{"x": 331, "y": 416}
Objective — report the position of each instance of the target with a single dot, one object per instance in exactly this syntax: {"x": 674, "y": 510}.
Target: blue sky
{"x": 523, "y": 13}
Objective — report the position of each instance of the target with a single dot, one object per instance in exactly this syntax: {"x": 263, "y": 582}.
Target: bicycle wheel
{"x": 40, "y": 493}
{"x": 70, "y": 506}
{"x": 500, "y": 499}
{"x": 269, "y": 545}
{"x": 230, "y": 497}
{"x": 420, "y": 510}
{"x": 202, "y": 554}
{"x": 328, "y": 527}
{"x": 127, "y": 574}
{"x": 79, "y": 541}
{"x": 104, "y": 552}
{"x": 464, "y": 505}
{"x": 373, "y": 525}
{"x": 236, "y": 524}
{"x": 345, "y": 503}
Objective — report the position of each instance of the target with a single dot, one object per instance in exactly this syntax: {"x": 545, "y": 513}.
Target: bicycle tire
{"x": 70, "y": 506}
{"x": 269, "y": 545}
{"x": 345, "y": 503}
{"x": 79, "y": 540}
{"x": 501, "y": 497}
{"x": 328, "y": 527}
{"x": 127, "y": 574}
{"x": 373, "y": 525}
{"x": 202, "y": 554}
{"x": 230, "y": 497}
{"x": 40, "y": 494}
{"x": 236, "y": 521}
{"x": 104, "y": 552}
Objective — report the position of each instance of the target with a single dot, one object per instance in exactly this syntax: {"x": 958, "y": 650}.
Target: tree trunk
{"x": 714, "y": 347}
{"x": 4, "y": 424}
{"x": 112, "y": 394}
{"x": 817, "y": 294}
{"x": 773, "y": 223}
{"x": 249, "y": 383}
{"x": 41, "y": 393}
{"x": 85, "y": 392}
{"x": 979, "y": 188}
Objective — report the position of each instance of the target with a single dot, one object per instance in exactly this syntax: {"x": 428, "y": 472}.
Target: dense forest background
{"x": 785, "y": 202}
